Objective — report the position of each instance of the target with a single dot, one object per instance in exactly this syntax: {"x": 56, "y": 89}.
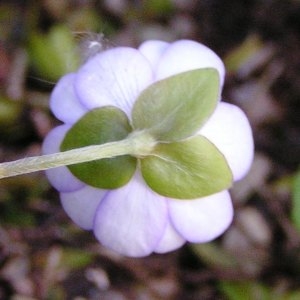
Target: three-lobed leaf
{"x": 176, "y": 107}
{"x": 172, "y": 110}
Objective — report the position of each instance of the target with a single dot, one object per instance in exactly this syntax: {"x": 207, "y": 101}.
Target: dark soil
{"x": 43, "y": 255}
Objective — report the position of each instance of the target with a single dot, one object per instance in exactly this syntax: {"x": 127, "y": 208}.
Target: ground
{"x": 43, "y": 255}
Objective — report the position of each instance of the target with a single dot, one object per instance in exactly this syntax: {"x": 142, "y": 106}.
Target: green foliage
{"x": 53, "y": 54}
{"x": 214, "y": 255}
{"x": 176, "y": 107}
{"x": 248, "y": 290}
{"x": 243, "y": 53}
{"x": 296, "y": 200}
{"x": 97, "y": 127}
{"x": 245, "y": 290}
{"x": 76, "y": 258}
{"x": 9, "y": 111}
{"x": 157, "y": 7}
{"x": 294, "y": 295}
{"x": 13, "y": 122}
{"x": 187, "y": 169}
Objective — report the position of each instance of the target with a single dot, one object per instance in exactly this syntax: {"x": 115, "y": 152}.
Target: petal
{"x": 228, "y": 128}
{"x": 61, "y": 178}
{"x": 64, "y": 103}
{"x": 131, "y": 220}
{"x": 81, "y": 205}
{"x": 113, "y": 77}
{"x": 186, "y": 55}
{"x": 153, "y": 50}
{"x": 202, "y": 220}
{"x": 171, "y": 240}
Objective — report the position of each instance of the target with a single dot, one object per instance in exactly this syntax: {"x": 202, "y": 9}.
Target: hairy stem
{"x": 136, "y": 144}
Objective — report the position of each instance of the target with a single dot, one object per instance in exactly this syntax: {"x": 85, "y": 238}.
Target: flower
{"x": 134, "y": 220}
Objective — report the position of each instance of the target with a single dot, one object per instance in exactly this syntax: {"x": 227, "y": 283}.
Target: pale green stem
{"x": 136, "y": 144}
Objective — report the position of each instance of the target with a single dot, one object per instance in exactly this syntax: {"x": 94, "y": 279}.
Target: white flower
{"x": 134, "y": 220}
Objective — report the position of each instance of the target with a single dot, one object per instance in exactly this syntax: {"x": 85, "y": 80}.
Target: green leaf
{"x": 214, "y": 255}
{"x": 76, "y": 258}
{"x": 176, "y": 107}
{"x": 241, "y": 55}
{"x": 53, "y": 55}
{"x": 294, "y": 295}
{"x": 245, "y": 290}
{"x": 97, "y": 127}
{"x": 157, "y": 7}
{"x": 296, "y": 200}
{"x": 188, "y": 169}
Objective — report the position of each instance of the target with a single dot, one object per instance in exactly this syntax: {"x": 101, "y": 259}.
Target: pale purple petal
{"x": 228, "y": 128}
{"x": 81, "y": 205}
{"x": 186, "y": 55}
{"x": 113, "y": 77}
{"x": 153, "y": 50}
{"x": 131, "y": 220}
{"x": 202, "y": 220}
{"x": 63, "y": 101}
{"x": 61, "y": 178}
{"x": 171, "y": 240}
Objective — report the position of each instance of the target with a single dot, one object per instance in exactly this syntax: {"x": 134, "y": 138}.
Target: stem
{"x": 136, "y": 144}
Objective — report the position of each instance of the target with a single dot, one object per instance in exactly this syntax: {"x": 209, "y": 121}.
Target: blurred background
{"x": 43, "y": 255}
